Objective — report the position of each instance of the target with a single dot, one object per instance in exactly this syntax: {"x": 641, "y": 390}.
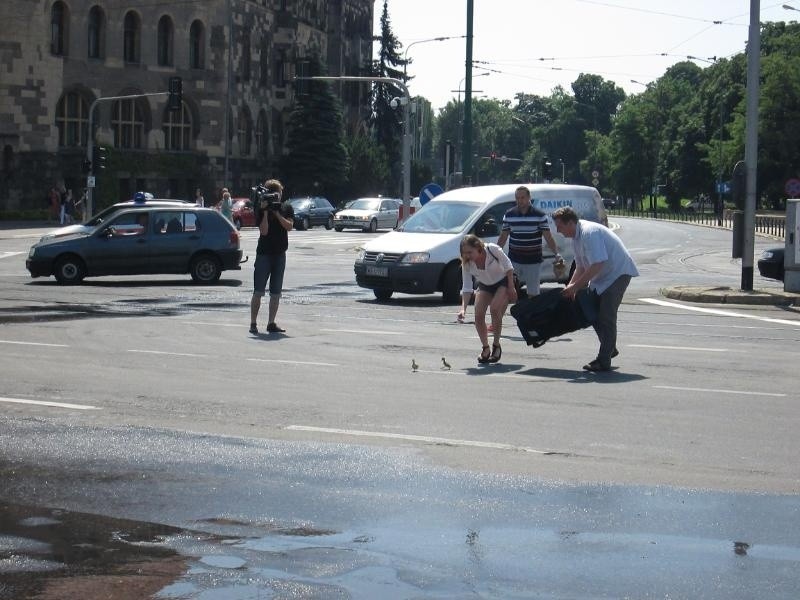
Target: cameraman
{"x": 274, "y": 219}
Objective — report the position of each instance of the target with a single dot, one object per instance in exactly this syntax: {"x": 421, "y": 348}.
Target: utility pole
{"x": 751, "y": 144}
{"x": 466, "y": 150}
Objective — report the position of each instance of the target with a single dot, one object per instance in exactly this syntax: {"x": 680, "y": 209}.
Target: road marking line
{"x": 691, "y": 349}
{"x": 425, "y": 439}
{"x": 716, "y": 391}
{"x": 169, "y": 353}
{"x": 46, "y": 403}
{"x": 9, "y": 254}
{"x": 719, "y": 312}
{"x": 294, "y": 362}
{"x": 370, "y": 331}
{"x": 34, "y": 344}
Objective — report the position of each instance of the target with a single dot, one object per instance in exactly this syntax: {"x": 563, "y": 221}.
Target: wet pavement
{"x": 226, "y": 518}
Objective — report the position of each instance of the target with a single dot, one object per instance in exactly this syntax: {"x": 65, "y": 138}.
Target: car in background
{"x": 770, "y": 263}
{"x": 369, "y": 214}
{"x": 144, "y": 239}
{"x": 242, "y": 213}
{"x": 609, "y": 203}
{"x": 699, "y": 206}
{"x": 105, "y": 214}
{"x": 313, "y": 210}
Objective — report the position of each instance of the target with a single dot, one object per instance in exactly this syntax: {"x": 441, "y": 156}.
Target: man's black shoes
{"x": 596, "y": 366}
{"x": 273, "y": 328}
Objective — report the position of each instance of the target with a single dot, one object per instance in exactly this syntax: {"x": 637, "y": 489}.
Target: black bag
{"x": 550, "y": 315}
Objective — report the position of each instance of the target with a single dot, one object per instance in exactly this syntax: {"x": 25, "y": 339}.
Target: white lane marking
{"x": 34, "y": 344}
{"x": 294, "y": 362}
{"x": 9, "y": 254}
{"x": 47, "y": 403}
{"x": 422, "y": 438}
{"x": 716, "y": 391}
{"x": 689, "y": 348}
{"x": 370, "y": 331}
{"x": 650, "y": 250}
{"x": 719, "y": 312}
{"x": 169, "y": 353}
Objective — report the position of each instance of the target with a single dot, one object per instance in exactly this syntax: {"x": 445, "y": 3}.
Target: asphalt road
{"x": 145, "y": 398}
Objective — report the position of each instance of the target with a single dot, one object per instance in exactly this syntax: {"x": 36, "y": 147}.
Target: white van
{"x": 422, "y": 256}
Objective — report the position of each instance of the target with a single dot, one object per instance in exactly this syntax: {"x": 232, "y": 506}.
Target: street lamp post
{"x": 563, "y": 176}
{"x": 436, "y": 39}
{"x": 460, "y": 107}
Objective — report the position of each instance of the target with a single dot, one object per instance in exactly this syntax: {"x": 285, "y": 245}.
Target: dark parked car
{"x": 770, "y": 263}
{"x": 143, "y": 240}
{"x": 314, "y": 210}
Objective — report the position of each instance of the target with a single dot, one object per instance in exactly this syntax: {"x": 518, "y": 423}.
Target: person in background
{"x": 493, "y": 271}
{"x": 198, "y": 198}
{"x": 225, "y": 205}
{"x": 604, "y": 265}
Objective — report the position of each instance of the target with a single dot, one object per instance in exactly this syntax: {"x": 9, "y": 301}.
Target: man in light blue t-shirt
{"x": 603, "y": 263}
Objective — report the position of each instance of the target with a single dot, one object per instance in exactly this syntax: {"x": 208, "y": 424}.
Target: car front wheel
{"x": 205, "y": 269}
{"x": 382, "y": 294}
{"x": 373, "y": 226}
{"x": 69, "y": 270}
{"x": 329, "y": 223}
{"x": 306, "y": 223}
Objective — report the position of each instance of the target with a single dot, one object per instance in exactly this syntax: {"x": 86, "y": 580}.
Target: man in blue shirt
{"x": 523, "y": 227}
{"x": 604, "y": 265}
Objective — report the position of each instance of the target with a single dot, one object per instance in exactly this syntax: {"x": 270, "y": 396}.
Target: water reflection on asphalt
{"x": 251, "y": 519}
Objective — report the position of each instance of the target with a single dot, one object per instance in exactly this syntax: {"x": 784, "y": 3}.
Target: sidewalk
{"x": 727, "y": 295}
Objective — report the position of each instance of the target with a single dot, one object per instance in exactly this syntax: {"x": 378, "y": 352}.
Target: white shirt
{"x": 495, "y": 269}
{"x": 594, "y": 243}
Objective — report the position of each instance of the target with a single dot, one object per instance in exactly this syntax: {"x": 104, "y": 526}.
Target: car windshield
{"x": 441, "y": 217}
{"x": 103, "y": 215}
{"x": 300, "y": 203}
{"x": 366, "y": 204}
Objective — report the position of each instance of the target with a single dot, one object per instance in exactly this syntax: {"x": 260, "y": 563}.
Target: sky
{"x": 532, "y": 46}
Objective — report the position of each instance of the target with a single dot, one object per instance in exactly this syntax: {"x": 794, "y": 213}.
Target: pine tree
{"x": 387, "y": 122}
{"x": 316, "y": 161}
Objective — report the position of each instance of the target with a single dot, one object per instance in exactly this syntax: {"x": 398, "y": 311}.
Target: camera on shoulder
{"x": 265, "y": 199}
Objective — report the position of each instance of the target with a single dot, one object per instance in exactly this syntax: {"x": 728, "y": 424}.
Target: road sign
{"x": 792, "y": 187}
{"x": 90, "y": 181}
{"x": 723, "y": 187}
{"x": 428, "y": 192}
{"x": 595, "y": 174}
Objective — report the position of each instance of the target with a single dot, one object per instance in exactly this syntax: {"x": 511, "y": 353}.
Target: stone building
{"x": 59, "y": 57}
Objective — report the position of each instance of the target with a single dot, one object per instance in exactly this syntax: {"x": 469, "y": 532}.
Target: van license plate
{"x": 378, "y": 271}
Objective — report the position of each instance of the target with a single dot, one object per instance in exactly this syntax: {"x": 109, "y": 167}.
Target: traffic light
{"x": 547, "y": 169}
{"x": 739, "y": 184}
{"x": 175, "y": 100}
{"x": 86, "y": 166}
{"x": 100, "y": 156}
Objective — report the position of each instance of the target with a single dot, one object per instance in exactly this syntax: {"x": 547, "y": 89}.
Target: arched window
{"x": 97, "y": 33}
{"x": 72, "y": 120}
{"x": 245, "y": 131}
{"x": 177, "y": 128}
{"x": 59, "y": 29}
{"x": 165, "y": 35}
{"x": 197, "y": 41}
{"x": 130, "y": 39}
{"x": 127, "y": 123}
{"x": 262, "y": 134}
{"x": 246, "y": 57}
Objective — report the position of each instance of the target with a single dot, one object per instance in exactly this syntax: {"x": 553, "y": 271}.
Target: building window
{"x": 165, "y": 35}
{"x": 262, "y": 134}
{"x": 97, "y": 33}
{"x": 127, "y": 123}
{"x": 263, "y": 63}
{"x": 246, "y": 57}
{"x": 245, "y": 132}
{"x": 197, "y": 39}
{"x": 177, "y": 128}
{"x": 72, "y": 120}
{"x": 59, "y": 21}
{"x": 130, "y": 40}
{"x": 279, "y": 75}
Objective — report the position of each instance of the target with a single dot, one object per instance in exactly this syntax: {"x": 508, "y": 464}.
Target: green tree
{"x": 316, "y": 160}
{"x": 368, "y": 173}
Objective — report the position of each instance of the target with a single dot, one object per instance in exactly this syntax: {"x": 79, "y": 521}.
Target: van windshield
{"x": 442, "y": 217}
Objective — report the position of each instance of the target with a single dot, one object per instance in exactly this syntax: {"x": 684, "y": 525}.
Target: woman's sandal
{"x": 484, "y": 356}
{"x": 497, "y": 352}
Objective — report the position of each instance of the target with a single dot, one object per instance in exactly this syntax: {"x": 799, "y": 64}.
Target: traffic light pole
{"x": 89, "y": 208}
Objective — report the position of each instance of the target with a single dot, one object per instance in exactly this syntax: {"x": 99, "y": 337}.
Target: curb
{"x": 727, "y": 295}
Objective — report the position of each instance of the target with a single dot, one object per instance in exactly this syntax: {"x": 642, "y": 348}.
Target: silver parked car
{"x": 368, "y": 214}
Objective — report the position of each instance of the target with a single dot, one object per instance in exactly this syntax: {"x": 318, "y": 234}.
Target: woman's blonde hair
{"x": 470, "y": 241}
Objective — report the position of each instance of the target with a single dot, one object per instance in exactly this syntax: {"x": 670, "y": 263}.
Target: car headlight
{"x": 360, "y": 255}
{"x": 767, "y": 255}
{"x": 416, "y": 258}
{"x": 32, "y": 252}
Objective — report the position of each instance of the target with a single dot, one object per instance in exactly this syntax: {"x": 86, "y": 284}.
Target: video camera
{"x": 264, "y": 199}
